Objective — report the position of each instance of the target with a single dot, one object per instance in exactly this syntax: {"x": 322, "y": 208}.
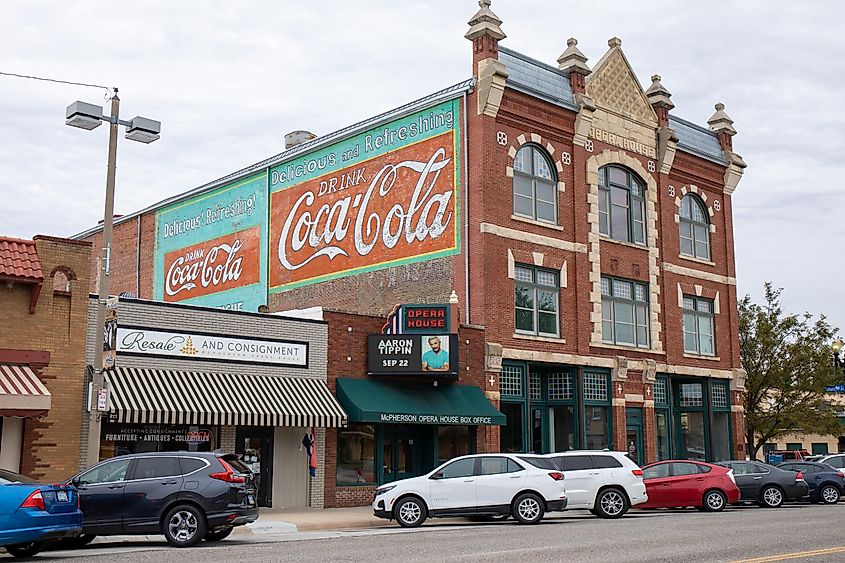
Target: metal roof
{"x": 697, "y": 140}
{"x": 441, "y": 95}
{"x": 536, "y": 78}
{"x": 533, "y": 77}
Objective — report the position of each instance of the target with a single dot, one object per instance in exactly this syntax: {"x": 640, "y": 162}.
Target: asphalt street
{"x": 794, "y": 532}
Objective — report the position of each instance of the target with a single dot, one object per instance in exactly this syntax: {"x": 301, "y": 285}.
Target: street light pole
{"x": 104, "y": 260}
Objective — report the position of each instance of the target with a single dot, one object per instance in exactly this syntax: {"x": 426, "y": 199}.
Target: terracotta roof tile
{"x": 19, "y": 259}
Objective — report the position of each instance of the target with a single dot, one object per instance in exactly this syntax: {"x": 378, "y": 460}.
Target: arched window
{"x": 621, "y": 205}
{"x": 534, "y": 185}
{"x": 695, "y": 228}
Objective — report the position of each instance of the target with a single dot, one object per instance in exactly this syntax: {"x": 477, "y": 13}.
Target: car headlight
{"x": 383, "y": 490}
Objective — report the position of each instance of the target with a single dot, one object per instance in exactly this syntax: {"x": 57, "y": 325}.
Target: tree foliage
{"x": 789, "y": 363}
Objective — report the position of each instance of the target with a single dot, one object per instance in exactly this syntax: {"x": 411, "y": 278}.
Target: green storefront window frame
{"x": 664, "y": 407}
{"x": 585, "y": 403}
{"x": 544, "y": 403}
{"x": 520, "y": 399}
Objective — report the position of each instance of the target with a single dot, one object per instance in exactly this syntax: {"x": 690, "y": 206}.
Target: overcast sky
{"x": 228, "y": 79}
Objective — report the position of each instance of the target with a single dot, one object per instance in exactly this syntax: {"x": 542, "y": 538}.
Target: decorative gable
{"x": 614, "y": 86}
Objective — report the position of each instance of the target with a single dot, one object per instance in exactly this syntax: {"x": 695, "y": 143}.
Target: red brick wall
{"x": 51, "y": 336}
{"x": 347, "y": 357}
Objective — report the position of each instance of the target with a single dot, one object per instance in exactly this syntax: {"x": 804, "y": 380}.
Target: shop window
{"x": 695, "y": 228}
{"x": 510, "y": 381}
{"x": 621, "y": 205}
{"x": 511, "y": 434}
{"x": 691, "y": 395}
{"x": 560, "y": 386}
{"x": 536, "y": 298}
{"x": 356, "y": 454}
{"x": 819, "y": 448}
{"x": 624, "y": 312}
{"x": 596, "y": 410}
{"x": 562, "y": 427}
{"x": 719, "y": 395}
{"x": 661, "y": 397}
{"x": 453, "y": 441}
{"x": 534, "y": 185}
{"x": 721, "y": 436}
{"x": 535, "y": 388}
{"x": 698, "y": 326}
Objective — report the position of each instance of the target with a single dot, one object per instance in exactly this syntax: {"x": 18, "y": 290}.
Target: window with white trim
{"x": 621, "y": 204}
{"x": 698, "y": 326}
{"x": 695, "y": 228}
{"x": 624, "y": 312}
{"x": 536, "y": 298}
{"x": 534, "y": 185}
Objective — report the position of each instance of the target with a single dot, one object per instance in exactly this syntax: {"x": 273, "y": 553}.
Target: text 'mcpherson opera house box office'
{"x": 202, "y": 379}
{"x": 581, "y": 222}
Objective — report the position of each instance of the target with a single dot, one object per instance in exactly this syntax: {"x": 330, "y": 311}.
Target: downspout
{"x": 466, "y": 207}
{"x": 138, "y": 259}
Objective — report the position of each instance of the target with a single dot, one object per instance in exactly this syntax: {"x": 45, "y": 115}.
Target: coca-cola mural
{"x": 210, "y": 249}
{"x": 384, "y": 197}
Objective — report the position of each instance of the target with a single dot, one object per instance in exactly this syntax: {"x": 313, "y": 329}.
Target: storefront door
{"x": 403, "y": 450}
{"x": 692, "y": 428}
{"x": 255, "y": 445}
{"x": 634, "y": 434}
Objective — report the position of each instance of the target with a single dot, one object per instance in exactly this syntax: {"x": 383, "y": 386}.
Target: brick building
{"x": 581, "y": 222}
{"x": 43, "y": 299}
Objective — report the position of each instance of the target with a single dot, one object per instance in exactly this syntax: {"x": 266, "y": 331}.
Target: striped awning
{"x": 184, "y": 397}
{"x": 21, "y": 392}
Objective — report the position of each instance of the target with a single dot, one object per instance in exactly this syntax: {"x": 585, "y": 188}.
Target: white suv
{"x": 524, "y": 486}
{"x": 606, "y": 483}
{"x": 835, "y": 460}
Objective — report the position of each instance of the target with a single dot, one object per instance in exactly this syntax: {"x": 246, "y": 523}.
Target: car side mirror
{"x": 436, "y": 476}
{"x": 75, "y": 482}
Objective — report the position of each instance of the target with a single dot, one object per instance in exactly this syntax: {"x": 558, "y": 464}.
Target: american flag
{"x": 310, "y": 451}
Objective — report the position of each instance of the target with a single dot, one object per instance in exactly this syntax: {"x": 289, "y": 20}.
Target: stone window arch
{"x": 62, "y": 276}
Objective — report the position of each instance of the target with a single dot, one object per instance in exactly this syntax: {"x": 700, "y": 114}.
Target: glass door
{"x": 402, "y": 452}
{"x": 634, "y": 434}
{"x": 691, "y": 425}
{"x": 255, "y": 446}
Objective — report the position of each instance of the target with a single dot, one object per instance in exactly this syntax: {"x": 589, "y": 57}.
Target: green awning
{"x": 366, "y": 400}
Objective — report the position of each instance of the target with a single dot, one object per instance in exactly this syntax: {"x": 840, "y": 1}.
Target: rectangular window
{"x": 691, "y": 395}
{"x": 698, "y": 326}
{"x": 560, "y": 386}
{"x": 536, "y": 300}
{"x": 535, "y": 387}
{"x": 595, "y": 423}
{"x": 356, "y": 454}
{"x": 661, "y": 396}
{"x": 794, "y": 446}
{"x": 452, "y": 442}
{"x": 595, "y": 387}
{"x": 510, "y": 381}
{"x": 719, "y": 395}
{"x": 624, "y": 312}
{"x": 819, "y": 448}
{"x": 661, "y": 419}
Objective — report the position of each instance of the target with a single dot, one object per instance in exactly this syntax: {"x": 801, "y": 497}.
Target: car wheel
{"x": 25, "y": 549}
{"x": 611, "y": 503}
{"x": 528, "y": 508}
{"x": 218, "y": 535}
{"x": 184, "y": 526}
{"x": 714, "y": 501}
{"x": 829, "y": 494}
{"x": 77, "y": 542}
{"x": 771, "y": 497}
{"x": 410, "y": 512}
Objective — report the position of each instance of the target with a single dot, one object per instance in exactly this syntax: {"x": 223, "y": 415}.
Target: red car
{"x": 705, "y": 486}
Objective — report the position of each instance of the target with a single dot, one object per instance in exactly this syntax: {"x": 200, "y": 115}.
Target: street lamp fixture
{"x": 89, "y": 116}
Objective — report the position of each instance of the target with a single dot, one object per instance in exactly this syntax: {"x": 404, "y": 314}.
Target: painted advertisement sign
{"x": 210, "y": 250}
{"x": 385, "y": 197}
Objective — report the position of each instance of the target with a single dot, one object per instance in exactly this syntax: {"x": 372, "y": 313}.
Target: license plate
{"x": 61, "y": 496}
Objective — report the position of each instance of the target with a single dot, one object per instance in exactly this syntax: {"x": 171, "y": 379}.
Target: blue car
{"x": 827, "y": 484}
{"x": 32, "y": 514}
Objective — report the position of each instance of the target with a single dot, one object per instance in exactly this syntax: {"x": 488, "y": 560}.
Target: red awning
{"x": 21, "y": 392}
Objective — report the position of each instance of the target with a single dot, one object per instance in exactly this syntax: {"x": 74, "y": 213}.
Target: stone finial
{"x": 720, "y": 122}
{"x": 658, "y": 95}
{"x": 485, "y": 22}
{"x": 572, "y": 59}
{"x": 614, "y": 42}
{"x": 453, "y": 298}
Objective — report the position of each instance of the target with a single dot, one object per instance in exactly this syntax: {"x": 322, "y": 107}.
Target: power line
{"x": 107, "y": 88}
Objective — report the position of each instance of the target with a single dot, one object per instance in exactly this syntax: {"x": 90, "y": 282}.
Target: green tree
{"x": 789, "y": 364}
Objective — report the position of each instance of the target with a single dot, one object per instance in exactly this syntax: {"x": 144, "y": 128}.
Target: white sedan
{"x": 523, "y": 486}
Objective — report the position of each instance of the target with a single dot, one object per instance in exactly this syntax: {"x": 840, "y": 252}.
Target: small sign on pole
{"x": 103, "y": 400}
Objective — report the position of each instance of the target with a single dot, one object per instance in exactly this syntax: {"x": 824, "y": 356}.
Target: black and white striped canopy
{"x": 184, "y": 397}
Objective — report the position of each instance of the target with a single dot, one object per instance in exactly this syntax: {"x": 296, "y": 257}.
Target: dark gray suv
{"x": 187, "y": 496}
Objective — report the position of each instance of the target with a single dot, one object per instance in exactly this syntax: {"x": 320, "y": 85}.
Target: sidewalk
{"x": 282, "y": 520}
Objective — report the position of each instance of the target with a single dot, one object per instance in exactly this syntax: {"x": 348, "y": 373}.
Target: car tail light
{"x": 637, "y": 472}
{"x": 556, "y": 475}
{"x": 34, "y": 500}
{"x": 228, "y": 475}
{"x": 840, "y": 474}
{"x": 799, "y": 476}
{"x": 731, "y": 475}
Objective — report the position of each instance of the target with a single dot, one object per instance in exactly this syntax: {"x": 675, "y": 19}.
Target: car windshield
{"x": 8, "y": 478}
